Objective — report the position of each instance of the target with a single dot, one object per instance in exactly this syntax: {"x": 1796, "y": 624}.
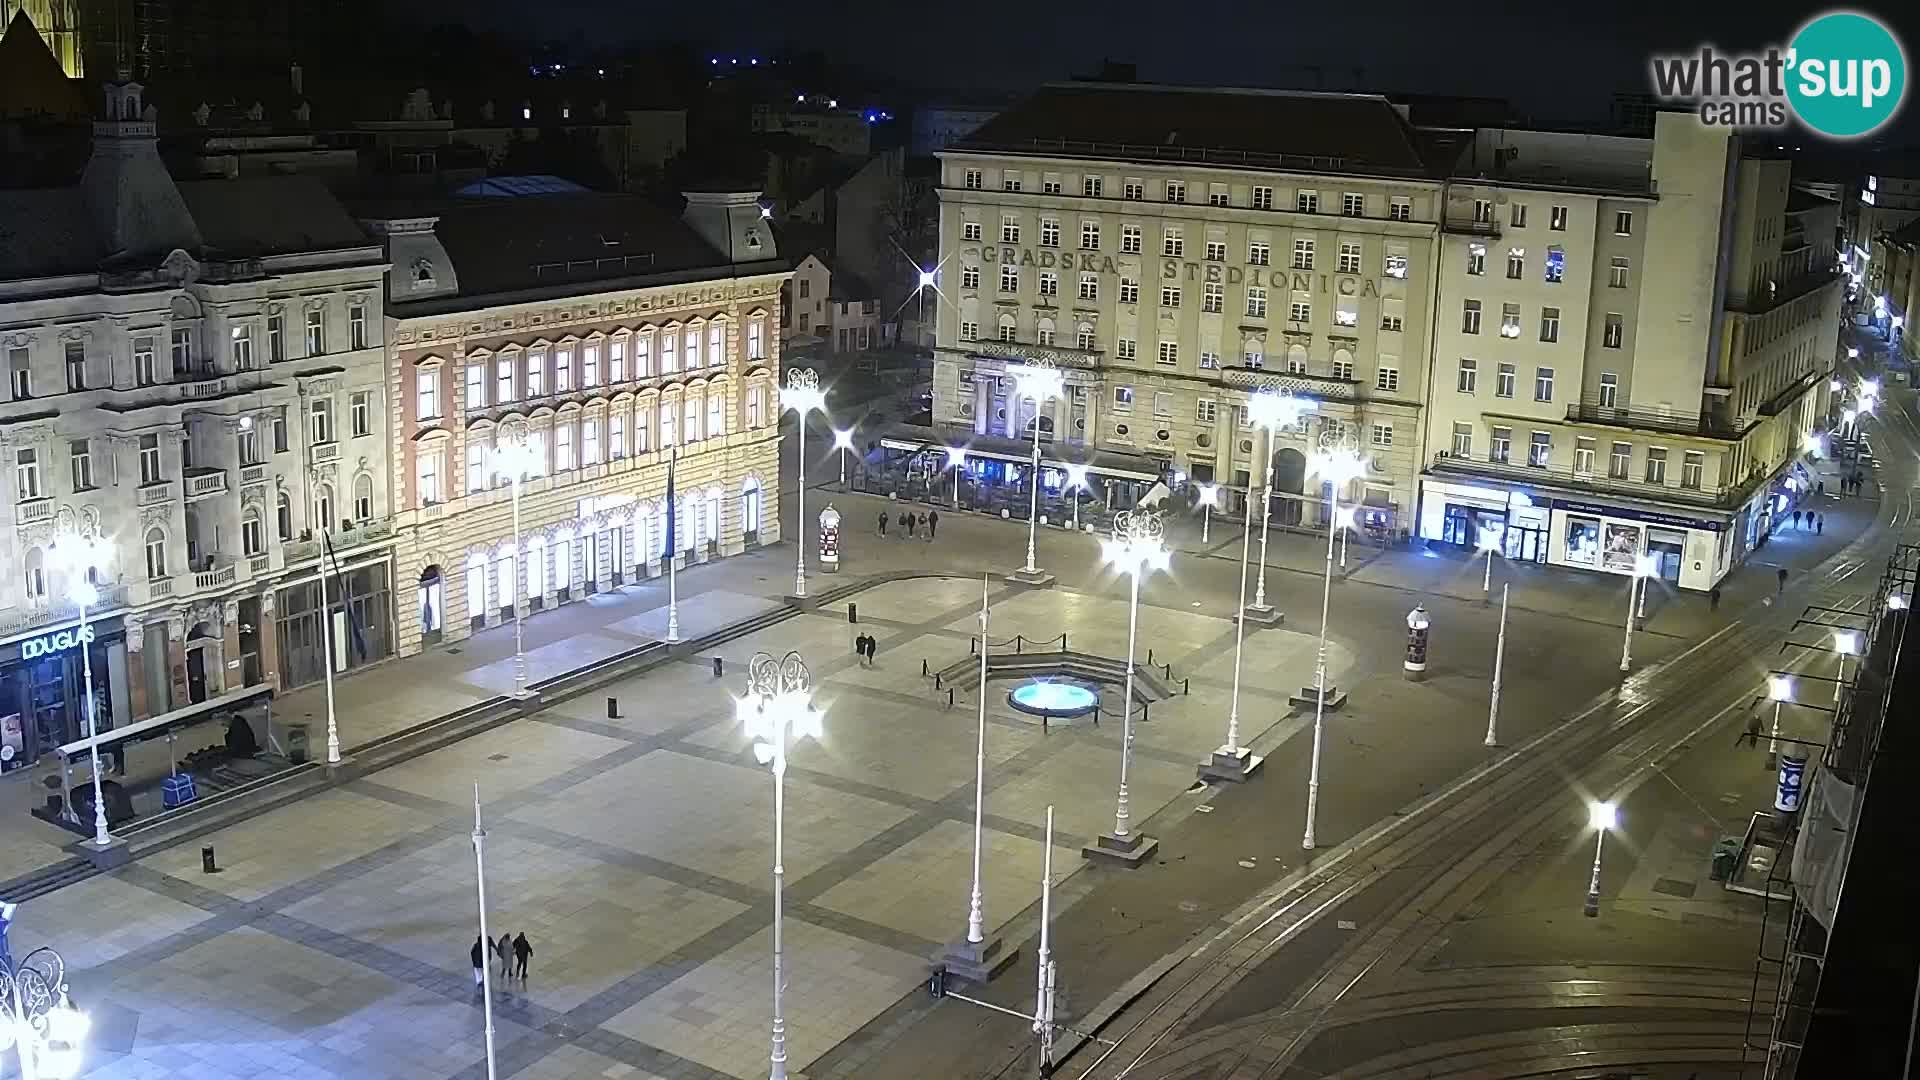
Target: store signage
{"x": 58, "y": 641}
{"x": 1176, "y": 269}
{"x": 1653, "y": 516}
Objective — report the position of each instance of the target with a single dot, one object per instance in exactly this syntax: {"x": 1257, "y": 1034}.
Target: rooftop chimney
{"x": 733, "y": 222}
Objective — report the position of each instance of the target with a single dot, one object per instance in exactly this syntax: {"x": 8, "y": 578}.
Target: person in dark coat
{"x": 883, "y": 523}
{"x": 909, "y": 519}
{"x": 1820, "y": 524}
{"x": 1796, "y": 520}
{"x": 1783, "y": 580}
{"x": 1751, "y": 736}
{"x": 933, "y": 524}
{"x": 1713, "y": 598}
{"x": 522, "y": 951}
{"x": 479, "y": 962}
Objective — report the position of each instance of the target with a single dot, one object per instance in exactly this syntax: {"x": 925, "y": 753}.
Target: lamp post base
{"x": 1130, "y": 853}
{"x": 802, "y": 603}
{"x": 115, "y": 854}
{"x": 1235, "y": 767}
{"x": 977, "y": 962}
{"x": 1032, "y": 579}
{"x": 1264, "y": 615}
{"x": 345, "y": 760}
{"x": 1308, "y": 697}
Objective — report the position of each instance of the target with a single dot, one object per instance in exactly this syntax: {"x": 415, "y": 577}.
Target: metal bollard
{"x": 1143, "y": 711}
{"x": 1186, "y": 686}
{"x": 949, "y": 699}
{"x": 1149, "y": 657}
{"x": 973, "y": 646}
{"x": 853, "y": 613}
{"x": 719, "y": 667}
{"x": 1168, "y": 668}
{"x": 206, "y": 860}
{"x": 923, "y": 668}
{"x": 1019, "y": 644}
{"x": 936, "y": 681}
{"x": 613, "y": 708}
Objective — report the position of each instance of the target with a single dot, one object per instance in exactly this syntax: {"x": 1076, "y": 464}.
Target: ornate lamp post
{"x": 1041, "y": 382}
{"x": 1271, "y": 411}
{"x": 1209, "y": 498}
{"x": 1233, "y": 761}
{"x": 1137, "y": 547}
{"x": 1644, "y": 566}
{"x": 81, "y": 555}
{"x": 956, "y": 463}
{"x": 1338, "y": 462}
{"x": 1490, "y": 543}
{"x": 36, "y": 1016}
{"x": 803, "y": 395}
{"x": 1076, "y": 483}
{"x": 516, "y": 461}
{"x": 843, "y": 442}
{"x": 1603, "y": 816}
{"x": 778, "y": 704}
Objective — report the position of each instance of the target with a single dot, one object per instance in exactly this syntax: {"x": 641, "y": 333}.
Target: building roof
{"x": 1275, "y": 129}
{"x": 31, "y": 81}
{"x": 269, "y": 215}
{"x": 1800, "y": 200}
{"x": 848, "y": 286}
{"x": 517, "y": 186}
{"x": 47, "y": 233}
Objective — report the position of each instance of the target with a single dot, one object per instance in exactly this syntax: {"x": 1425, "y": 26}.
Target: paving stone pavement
{"x": 635, "y": 853}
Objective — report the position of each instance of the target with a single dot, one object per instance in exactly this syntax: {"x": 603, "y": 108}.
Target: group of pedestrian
{"x": 912, "y": 524}
{"x": 1817, "y": 522}
{"x": 864, "y": 647}
{"x": 512, "y": 951}
{"x": 1852, "y": 485}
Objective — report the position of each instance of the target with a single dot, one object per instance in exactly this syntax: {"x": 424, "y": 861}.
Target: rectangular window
{"x": 1343, "y": 369}
{"x": 617, "y": 361}
{"x": 80, "y": 454}
{"x": 320, "y": 421}
{"x": 1130, "y": 239}
{"x": 316, "y": 332}
{"x": 1390, "y": 321}
{"x": 1352, "y": 205}
{"x": 1400, "y": 208}
{"x": 1169, "y": 296}
{"x": 360, "y": 412}
{"x": 1169, "y": 353}
{"x": 669, "y": 354}
{"x": 145, "y": 372}
{"x": 1656, "y": 465}
{"x": 1476, "y": 259}
{"x": 276, "y": 338}
{"x": 1050, "y": 184}
{"x": 1125, "y": 349}
{"x": 1470, "y": 317}
{"x": 643, "y": 423}
{"x": 1216, "y": 251}
{"x": 426, "y": 389}
{"x": 1209, "y": 361}
{"x": 970, "y": 231}
{"x": 150, "y": 471}
{"x": 1503, "y": 381}
{"x": 181, "y": 344}
{"x": 1386, "y": 378}
{"x": 1617, "y": 269}
{"x": 503, "y": 383}
{"x": 476, "y": 466}
{"x": 717, "y": 414}
{"x": 1177, "y": 191}
{"x": 1557, "y": 219}
{"x": 1306, "y": 202}
{"x": 1049, "y": 283}
{"x": 1123, "y": 399}
{"x": 1044, "y": 334}
{"x": 1623, "y": 223}
{"x": 1613, "y": 332}
{"x": 1009, "y": 231}
{"x": 1543, "y": 384}
{"x": 1609, "y": 389}
{"x": 616, "y": 435}
{"x": 1383, "y": 434}
{"x": 1262, "y": 198}
{"x": 1172, "y": 244}
{"x": 280, "y": 438}
{"x": 1300, "y": 311}
{"x": 429, "y": 478}
{"x": 1469, "y": 375}
{"x": 969, "y": 331}
{"x": 1217, "y": 195}
{"x": 1346, "y": 312}
{"x": 26, "y": 473}
{"x": 1516, "y": 263}
{"x": 1556, "y": 265}
{"x": 1009, "y": 181}
{"x": 1518, "y": 215}
{"x": 1620, "y": 460}
{"x": 1205, "y": 411}
{"x": 1540, "y": 450}
{"x": 1083, "y": 339}
{"x": 1007, "y": 331}
{"x": 476, "y": 373}
{"x": 1259, "y": 253}
{"x": 1303, "y": 254}
{"x": 1549, "y": 324}
{"x": 1090, "y": 236}
{"x": 562, "y": 447}
{"x": 357, "y": 326}
{"x": 536, "y": 373}
{"x": 1462, "y": 440}
{"x": 1089, "y": 287}
{"x": 1129, "y": 291}
{"x": 972, "y": 180}
{"x": 76, "y": 357}
{"x": 1395, "y": 265}
{"x": 1213, "y": 298}
{"x": 643, "y": 356}
{"x": 1500, "y": 447}
{"x": 1349, "y": 258}
{"x": 969, "y": 279}
{"x": 1163, "y": 405}
{"x": 757, "y": 339}
{"x": 1509, "y": 320}
{"x": 589, "y": 366}
{"x": 1133, "y": 190}
{"x": 1256, "y": 302}
{"x": 1693, "y": 464}
{"x": 1483, "y": 211}
{"x": 1583, "y": 450}
{"x": 669, "y": 424}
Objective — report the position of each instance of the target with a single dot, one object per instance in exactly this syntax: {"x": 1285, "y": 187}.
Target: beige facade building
{"x": 606, "y": 338}
{"x": 1634, "y": 342}
{"x": 1175, "y": 250}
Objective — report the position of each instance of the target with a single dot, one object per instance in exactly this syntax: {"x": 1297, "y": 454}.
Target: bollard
{"x": 613, "y": 708}
{"x": 936, "y": 681}
{"x": 949, "y": 698}
{"x": 206, "y": 860}
{"x": 1018, "y": 644}
{"x": 973, "y": 646}
{"x": 1149, "y": 657}
{"x": 1168, "y": 668}
{"x": 1186, "y": 686}
{"x": 1143, "y": 711}
{"x": 719, "y": 667}
{"x": 853, "y": 613}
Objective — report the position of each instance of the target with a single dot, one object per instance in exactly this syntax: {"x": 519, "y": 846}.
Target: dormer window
{"x": 423, "y": 273}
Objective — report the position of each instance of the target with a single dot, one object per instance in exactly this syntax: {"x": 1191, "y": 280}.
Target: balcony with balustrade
{"x": 201, "y": 482}
{"x": 33, "y": 511}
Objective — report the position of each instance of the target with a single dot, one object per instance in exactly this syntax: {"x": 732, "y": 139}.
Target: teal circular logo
{"x": 1846, "y": 74}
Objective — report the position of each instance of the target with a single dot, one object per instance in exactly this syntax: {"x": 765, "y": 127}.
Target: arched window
{"x": 323, "y": 507}
{"x": 1007, "y": 327}
{"x": 36, "y": 575}
{"x": 717, "y": 344}
{"x": 283, "y": 516}
{"x": 363, "y": 498}
{"x": 750, "y": 505}
{"x": 156, "y": 554}
{"x": 253, "y": 539}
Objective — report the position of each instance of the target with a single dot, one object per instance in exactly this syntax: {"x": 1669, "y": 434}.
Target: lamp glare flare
{"x": 1603, "y": 816}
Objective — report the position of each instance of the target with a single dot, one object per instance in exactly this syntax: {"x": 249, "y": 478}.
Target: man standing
{"x": 522, "y": 951}
{"x": 933, "y": 524}
{"x": 883, "y": 524}
{"x": 909, "y": 519}
{"x": 479, "y": 958}
{"x": 1751, "y": 736}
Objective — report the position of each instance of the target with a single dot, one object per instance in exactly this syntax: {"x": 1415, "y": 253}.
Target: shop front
{"x": 995, "y": 474}
{"x": 1688, "y": 553}
{"x": 42, "y": 688}
{"x": 359, "y": 603}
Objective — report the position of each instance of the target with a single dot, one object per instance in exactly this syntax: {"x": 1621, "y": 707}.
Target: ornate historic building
{"x": 581, "y": 341}
{"x": 194, "y": 376}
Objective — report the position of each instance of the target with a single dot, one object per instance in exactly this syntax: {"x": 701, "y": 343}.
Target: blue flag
{"x": 672, "y": 456}
{"x": 356, "y": 638}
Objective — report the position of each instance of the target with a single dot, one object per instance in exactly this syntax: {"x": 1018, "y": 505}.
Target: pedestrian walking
{"x": 933, "y": 524}
{"x": 883, "y": 524}
{"x": 522, "y": 952}
{"x": 1820, "y": 524}
{"x": 1796, "y": 521}
{"x": 873, "y": 646}
{"x": 1821, "y": 488}
{"x": 1713, "y": 598}
{"x": 1751, "y": 736}
{"x": 479, "y": 958}
{"x": 908, "y": 520}
{"x": 505, "y": 949}
{"x": 1783, "y": 582}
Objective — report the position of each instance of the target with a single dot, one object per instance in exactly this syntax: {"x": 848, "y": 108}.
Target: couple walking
{"x": 513, "y": 953}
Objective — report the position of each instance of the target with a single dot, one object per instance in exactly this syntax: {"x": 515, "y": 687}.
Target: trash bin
{"x": 1726, "y": 858}
{"x": 297, "y": 744}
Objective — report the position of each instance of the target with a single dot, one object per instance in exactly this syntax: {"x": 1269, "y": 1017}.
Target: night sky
{"x": 1558, "y": 63}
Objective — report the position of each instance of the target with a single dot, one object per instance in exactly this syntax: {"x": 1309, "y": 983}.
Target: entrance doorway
{"x": 202, "y": 662}
{"x": 430, "y": 600}
{"x": 1667, "y": 548}
{"x": 1464, "y": 524}
{"x": 1526, "y": 543}
{"x": 1289, "y": 479}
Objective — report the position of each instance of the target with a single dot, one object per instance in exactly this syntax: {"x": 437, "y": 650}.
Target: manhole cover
{"x": 1189, "y": 906}
{"x": 496, "y": 757}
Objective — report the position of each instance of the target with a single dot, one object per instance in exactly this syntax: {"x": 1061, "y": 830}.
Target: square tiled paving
{"x": 99, "y": 920}
{"x": 293, "y": 1011}
{"x": 720, "y": 1013}
{"x": 700, "y": 613}
{"x": 574, "y": 1063}
{"x": 590, "y": 924}
{"x": 916, "y": 600}
{"x": 293, "y": 843}
{"x": 547, "y": 661}
{"x": 1082, "y": 782}
{"x": 1278, "y": 661}
{"x": 503, "y": 760}
{"x": 712, "y": 817}
{"x": 922, "y": 886}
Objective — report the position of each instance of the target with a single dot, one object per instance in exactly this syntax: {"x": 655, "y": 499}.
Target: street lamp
{"x": 1644, "y": 566}
{"x": 843, "y": 442}
{"x": 1344, "y": 519}
{"x": 81, "y": 556}
{"x": 1499, "y": 661}
{"x": 803, "y": 395}
{"x": 778, "y": 705}
{"x": 956, "y": 463}
{"x": 1337, "y": 463}
{"x": 1896, "y": 602}
{"x": 516, "y": 460}
{"x": 1076, "y": 483}
{"x": 486, "y": 942}
{"x": 1489, "y": 543}
{"x": 1209, "y": 498}
{"x": 1601, "y": 817}
{"x": 1042, "y": 382}
{"x": 1271, "y": 411}
{"x": 1846, "y": 643}
{"x": 1779, "y": 691}
{"x": 1233, "y": 761}
{"x": 36, "y": 1016}
{"x": 1137, "y": 547}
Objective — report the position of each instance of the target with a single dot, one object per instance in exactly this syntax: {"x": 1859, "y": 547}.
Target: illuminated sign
{"x": 56, "y": 642}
